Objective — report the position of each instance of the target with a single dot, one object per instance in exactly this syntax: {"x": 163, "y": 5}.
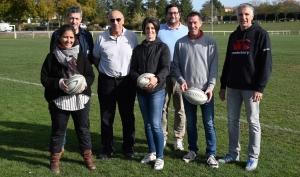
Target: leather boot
{"x": 87, "y": 156}
{"x": 62, "y": 151}
{"x": 54, "y": 162}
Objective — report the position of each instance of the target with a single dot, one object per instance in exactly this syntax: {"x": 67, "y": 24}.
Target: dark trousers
{"x": 113, "y": 91}
{"x": 60, "y": 119}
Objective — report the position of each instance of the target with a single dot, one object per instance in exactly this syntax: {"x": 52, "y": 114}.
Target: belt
{"x": 115, "y": 78}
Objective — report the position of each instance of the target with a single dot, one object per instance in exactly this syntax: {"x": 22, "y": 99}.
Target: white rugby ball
{"x": 142, "y": 80}
{"x": 75, "y": 83}
{"x": 195, "y": 96}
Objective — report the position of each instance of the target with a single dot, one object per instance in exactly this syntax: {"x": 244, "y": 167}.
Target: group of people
{"x": 179, "y": 57}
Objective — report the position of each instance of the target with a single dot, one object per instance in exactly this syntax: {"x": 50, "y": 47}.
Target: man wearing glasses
{"x": 169, "y": 33}
{"x": 112, "y": 58}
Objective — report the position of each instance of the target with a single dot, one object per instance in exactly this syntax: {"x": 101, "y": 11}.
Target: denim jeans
{"x": 208, "y": 122}
{"x": 235, "y": 98}
{"x": 151, "y": 106}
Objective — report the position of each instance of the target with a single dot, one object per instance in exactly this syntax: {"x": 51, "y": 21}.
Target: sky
{"x": 198, "y": 3}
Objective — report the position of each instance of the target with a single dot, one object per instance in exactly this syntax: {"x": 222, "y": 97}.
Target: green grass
{"x": 25, "y": 122}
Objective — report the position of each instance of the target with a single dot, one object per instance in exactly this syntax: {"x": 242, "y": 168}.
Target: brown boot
{"x": 62, "y": 151}
{"x": 87, "y": 156}
{"x": 54, "y": 162}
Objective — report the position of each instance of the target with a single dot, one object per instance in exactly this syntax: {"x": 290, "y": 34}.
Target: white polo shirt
{"x": 115, "y": 54}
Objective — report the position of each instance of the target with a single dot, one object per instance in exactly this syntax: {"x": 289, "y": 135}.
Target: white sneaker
{"x": 159, "y": 164}
{"x": 212, "y": 162}
{"x": 148, "y": 158}
{"x": 251, "y": 164}
{"x": 178, "y": 145}
{"x": 190, "y": 157}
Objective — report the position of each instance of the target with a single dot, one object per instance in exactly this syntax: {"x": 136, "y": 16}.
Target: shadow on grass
{"x": 35, "y": 137}
{"x": 29, "y": 143}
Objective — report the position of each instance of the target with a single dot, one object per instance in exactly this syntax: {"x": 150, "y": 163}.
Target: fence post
{"x": 32, "y": 34}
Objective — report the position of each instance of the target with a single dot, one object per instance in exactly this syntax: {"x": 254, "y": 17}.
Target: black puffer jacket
{"x": 151, "y": 57}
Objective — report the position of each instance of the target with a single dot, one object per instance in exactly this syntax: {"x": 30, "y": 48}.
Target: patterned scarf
{"x": 67, "y": 57}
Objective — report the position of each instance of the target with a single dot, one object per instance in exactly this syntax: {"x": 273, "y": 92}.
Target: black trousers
{"x": 60, "y": 119}
{"x": 113, "y": 91}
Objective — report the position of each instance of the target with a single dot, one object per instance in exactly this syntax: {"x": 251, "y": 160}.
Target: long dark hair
{"x": 62, "y": 30}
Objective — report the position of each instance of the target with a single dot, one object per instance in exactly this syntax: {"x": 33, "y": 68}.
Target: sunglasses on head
{"x": 113, "y": 20}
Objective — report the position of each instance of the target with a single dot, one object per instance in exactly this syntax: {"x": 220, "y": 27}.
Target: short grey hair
{"x": 74, "y": 9}
{"x": 242, "y": 6}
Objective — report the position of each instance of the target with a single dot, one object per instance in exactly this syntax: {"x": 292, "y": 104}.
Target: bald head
{"x": 116, "y": 21}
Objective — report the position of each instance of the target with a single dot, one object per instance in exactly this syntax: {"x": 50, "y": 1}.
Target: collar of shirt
{"x": 123, "y": 31}
{"x": 170, "y": 28}
{"x": 197, "y": 37}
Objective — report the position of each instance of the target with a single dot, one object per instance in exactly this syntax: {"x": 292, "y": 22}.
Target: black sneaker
{"x": 104, "y": 156}
{"x": 129, "y": 154}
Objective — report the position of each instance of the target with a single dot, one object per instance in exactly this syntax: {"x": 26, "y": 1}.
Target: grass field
{"x": 25, "y": 122}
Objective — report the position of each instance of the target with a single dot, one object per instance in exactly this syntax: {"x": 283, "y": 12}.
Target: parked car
{"x": 4, "y": 27}
{"x": 106, "y": 27}
{"x": 43, "y": 24}
{"x": 82, "y": 25}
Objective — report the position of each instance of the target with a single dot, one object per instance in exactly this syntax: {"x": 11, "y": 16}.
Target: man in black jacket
{"x": 246, "y": 72}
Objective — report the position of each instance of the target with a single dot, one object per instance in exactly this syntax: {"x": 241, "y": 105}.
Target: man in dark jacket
{"x": 246, "y": 72}
{"x": 74, "y": 18}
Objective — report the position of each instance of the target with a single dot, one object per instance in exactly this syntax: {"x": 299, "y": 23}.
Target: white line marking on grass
{"x": 217, "y": 117}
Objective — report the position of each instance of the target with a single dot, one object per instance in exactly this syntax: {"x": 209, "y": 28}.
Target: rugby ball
{"x": 142, "y": 80}
{"x": 195, "y": 96}
{"x": 75, "y": 83}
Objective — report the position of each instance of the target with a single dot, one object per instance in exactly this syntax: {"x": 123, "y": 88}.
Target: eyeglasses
{"x": 173, "y": 13}
{"x": 113, "y": 20}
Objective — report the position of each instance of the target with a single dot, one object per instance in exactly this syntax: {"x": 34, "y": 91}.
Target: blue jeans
{"x": 208, "y": 122}
{"x": 235, "y": 99}
{"x": 151, "y": 106}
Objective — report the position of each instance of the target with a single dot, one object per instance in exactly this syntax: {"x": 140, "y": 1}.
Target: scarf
{"x": 67, "y": 57}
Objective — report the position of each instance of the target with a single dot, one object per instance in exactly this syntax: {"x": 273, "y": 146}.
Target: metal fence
{"x": 48, "y": 34}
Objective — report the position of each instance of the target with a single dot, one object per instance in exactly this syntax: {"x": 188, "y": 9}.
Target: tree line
{"x": 96, "y": 11}
{"x": 271, "y": 10}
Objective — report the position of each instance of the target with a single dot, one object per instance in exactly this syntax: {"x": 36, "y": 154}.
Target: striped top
{"x": 71, "y": 102}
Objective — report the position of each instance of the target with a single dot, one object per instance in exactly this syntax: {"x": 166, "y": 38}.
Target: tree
{"x": 46, "y": 9}
{"x": 218, "y": 9}
{"x": 288, "y": 6}
{"x": 18, "y": 10}
{"x": 174, "y": 1}
{"x": 255, "y": 4}
{"x": 152, "y": 12}
{"x": 151, "y": 4}
{"x": 4, "y": 8}
{"x": 265, "y": 9}
{"x": 276, "y": 8}
{"x": 102, "y": 12}
{"x": 135, "y": 6}
{"x": 89, "y": 9}
{"x": 296, "y": 9}
{"x": 186, "y": 7}
{"x": 206, "y": 11}
{"x": 161, "y": 5}
{"x": 138, "y": 19}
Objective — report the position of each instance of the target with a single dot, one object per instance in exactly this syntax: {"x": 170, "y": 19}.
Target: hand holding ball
{"x": 75, "y": 84}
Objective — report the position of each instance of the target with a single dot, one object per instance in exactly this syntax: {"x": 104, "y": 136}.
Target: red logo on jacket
{"x": 241, "y": 44}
